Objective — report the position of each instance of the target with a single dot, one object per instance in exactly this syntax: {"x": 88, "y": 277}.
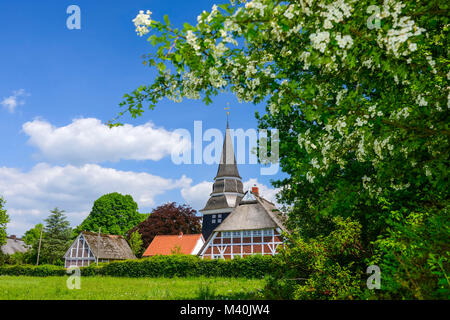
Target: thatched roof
{"x": 278, "y": 217}
{"x": 14, "y": 245}
{"x": 108, "y": 246}
{"x": 252, "y": 213}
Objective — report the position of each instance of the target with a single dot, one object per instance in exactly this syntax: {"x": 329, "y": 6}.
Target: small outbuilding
{"x": 175, "y": 244}
{"x": 90, "y": 247}
{"x": 14, "y": 245}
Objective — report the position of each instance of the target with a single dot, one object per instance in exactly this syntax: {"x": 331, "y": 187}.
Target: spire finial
{"x": 228, "y": 115}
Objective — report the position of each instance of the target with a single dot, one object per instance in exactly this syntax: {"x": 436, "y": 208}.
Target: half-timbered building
{"x": 91, "y": 247}
{"x": 253, "y": 227}
{"x": 235, "y": 224}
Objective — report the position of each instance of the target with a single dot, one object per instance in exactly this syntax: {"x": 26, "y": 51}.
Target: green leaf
{"x": 166, "y": 19}
{"x": 161, "y": 66}
{"x": 187, "y": 26}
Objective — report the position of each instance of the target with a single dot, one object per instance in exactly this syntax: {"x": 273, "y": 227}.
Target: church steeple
{"x": 228, "y": 122}
{"x": 227, "y": 165}
{"x": 227, "y": 188}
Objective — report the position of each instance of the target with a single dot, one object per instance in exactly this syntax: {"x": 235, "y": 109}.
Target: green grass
{"x": 111, "y": 288}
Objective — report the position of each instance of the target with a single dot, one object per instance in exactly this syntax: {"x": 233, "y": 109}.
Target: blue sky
{"x": 57, "y": 82}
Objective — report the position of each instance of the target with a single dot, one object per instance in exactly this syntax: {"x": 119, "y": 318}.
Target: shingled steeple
{"x": 227, "y": 166}
{"x": 227, "y": 188}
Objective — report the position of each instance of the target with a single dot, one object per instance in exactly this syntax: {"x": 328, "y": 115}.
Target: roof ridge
{"x": 272, "y": 214}
{"x": 103, "y": 234}
{"x": 266, "y": 200}
{"x": 177, "y": 235}
{"x": 111, "y": 246}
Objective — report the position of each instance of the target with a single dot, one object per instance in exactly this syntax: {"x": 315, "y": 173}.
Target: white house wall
{"x": 79, "y": 254}
{"x": 198, "y": 246}
{"x": 227, "y": 245}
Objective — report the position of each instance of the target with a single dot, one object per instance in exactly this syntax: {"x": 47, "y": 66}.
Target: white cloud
{"x": 264, "y": 191}
{"x": 15, "y": 100}
{"x": 30, "y": 195}
{"x": 197, "y": 195}
{"x": 87, "y": 140}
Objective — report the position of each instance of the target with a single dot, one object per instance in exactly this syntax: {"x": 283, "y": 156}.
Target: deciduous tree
{"x": 359, "y": 93}
{"x": 136, "y": 243}
{"x": 168, "y": 218}
{"x": 4, "y": 219}
{"x": 32, "y": 236}
{"x": 114, "y": 213}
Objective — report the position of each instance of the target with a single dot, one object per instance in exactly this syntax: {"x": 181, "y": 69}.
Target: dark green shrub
{"x": 321, "y": 267}
{"x": 35, "y": 271}
{"x": 161, "y": 266}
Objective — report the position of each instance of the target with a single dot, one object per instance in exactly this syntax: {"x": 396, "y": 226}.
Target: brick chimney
{"x": 255, "y": 190}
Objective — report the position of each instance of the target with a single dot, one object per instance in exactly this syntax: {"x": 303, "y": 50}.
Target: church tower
{"x": 227, "y": 189}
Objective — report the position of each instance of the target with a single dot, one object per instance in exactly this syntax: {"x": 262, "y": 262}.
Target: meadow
{"x": 118, "y": 288}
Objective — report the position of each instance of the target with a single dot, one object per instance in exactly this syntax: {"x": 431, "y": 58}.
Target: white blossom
{"x": 192, "y": 40}
{"x": 345, "y": 41}
{"x": 320, "y": 40}
{"x": 142, "y": 22}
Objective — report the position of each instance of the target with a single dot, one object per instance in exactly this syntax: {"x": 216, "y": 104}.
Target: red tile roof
{"x": 167, "y": 244}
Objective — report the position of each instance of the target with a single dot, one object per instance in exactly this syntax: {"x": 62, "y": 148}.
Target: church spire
{"x": 227, "y": 190}
{"x": 228, "y": 166}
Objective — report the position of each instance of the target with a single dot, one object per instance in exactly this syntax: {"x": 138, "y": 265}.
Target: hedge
{"x": 256, "y": 266}
{"x": 34, "y": 271}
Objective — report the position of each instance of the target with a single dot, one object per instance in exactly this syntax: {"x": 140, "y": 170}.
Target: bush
{"x": 34, "y": 271}
{"x": 321, "y": 267}
{"x": 186, "y": 266}
{"x": 256, "y": 266}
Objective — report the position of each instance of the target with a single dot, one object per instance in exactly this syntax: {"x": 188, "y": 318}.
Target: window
{"x": 247, "y": 233}
{"x": 268, "y": 232}
{"x": 219, "y": 216}
{"x": 257, "y": 232}
{"x": 213, "y": 221}
{"x": 214, "y": 216}
{"x": 236, "y": 233}
{"x": 226, "y": 234}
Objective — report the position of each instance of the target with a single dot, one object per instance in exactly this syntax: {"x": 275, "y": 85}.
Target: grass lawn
{"x": 111, "y": 288}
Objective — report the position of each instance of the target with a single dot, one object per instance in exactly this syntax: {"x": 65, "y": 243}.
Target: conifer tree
{"x": 56, "y": 237}
{"x": 4, "y": 219}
